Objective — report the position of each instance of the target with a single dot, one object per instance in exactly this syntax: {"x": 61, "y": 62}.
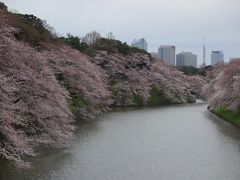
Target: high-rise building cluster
{"x": 168, "y": 54}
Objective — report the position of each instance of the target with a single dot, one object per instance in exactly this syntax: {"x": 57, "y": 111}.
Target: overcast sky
{"x": 183, "y": 23}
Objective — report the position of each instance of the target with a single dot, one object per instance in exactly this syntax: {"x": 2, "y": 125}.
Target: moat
{"x": 184, "y": 142}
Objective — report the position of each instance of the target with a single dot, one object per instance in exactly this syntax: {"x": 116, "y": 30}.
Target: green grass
{"x": 233, "y": 117}
{"x": 137, "y": 99}
{"x": 157, "y": 97}
{"x": 77, "y": 102}
{"x": 190, "y": 99}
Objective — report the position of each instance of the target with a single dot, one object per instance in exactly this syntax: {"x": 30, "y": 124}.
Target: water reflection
{"x": 173, "y": 142}
{"x": 224, "y": 127}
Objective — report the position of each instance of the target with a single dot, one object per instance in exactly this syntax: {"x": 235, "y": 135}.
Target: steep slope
{"x": 39, "y": 92}
{"x": 136, "y": 79}
{"x": 86, "y": 82}
{"x": 223, "y": 91}
{"x": 46, "y": 85}
{"x": 33, "y": 106}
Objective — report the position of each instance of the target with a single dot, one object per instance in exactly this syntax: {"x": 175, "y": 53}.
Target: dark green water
{"x": 183, "y": 142}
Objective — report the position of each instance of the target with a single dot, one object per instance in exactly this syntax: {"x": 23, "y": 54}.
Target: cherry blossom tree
{"x": 43, "y": 91}
{"x": 223, "y": 89}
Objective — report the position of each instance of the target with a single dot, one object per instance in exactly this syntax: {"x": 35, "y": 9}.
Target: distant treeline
{"x": 191, "y": 71}
{"x": 93, "y": 42}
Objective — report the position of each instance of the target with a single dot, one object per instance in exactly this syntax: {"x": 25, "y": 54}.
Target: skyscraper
{"x": 141, "y": 44}
{"x": 167, "y": 53}
{"x": 217, "y": 57}
{"x": 186, "y": 59}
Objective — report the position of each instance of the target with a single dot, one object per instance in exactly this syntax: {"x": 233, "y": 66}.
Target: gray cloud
{"x": 180, "y": 22}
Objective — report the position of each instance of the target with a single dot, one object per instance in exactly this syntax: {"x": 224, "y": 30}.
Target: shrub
{"x": 3, "y": 6}
{"x": 77, "y": 102}
{"x": 137, "y": 99}
{"x": 74, "y": 42}
{"x": 31, "y": 29}
{"x": 191, "y": 71}
{"x": 157, "y": 97}
{"x": 101, "y": 44}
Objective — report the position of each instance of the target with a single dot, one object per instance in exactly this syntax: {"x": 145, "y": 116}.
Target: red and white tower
{"x": 204, "y": 53}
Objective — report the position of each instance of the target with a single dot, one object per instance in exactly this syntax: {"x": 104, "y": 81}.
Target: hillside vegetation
{"x": 47, "y": 84}
{"x": 223, "y": 91}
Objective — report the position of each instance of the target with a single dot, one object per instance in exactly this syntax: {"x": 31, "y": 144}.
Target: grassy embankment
{"x": 230, "y": 116}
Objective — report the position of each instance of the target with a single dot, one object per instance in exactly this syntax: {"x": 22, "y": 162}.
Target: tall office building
{"x": 186, "y": 59}
{"x": 140, "y": 43}
{"x": 167, "y": 53}
{"x": 217, "y": 57}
